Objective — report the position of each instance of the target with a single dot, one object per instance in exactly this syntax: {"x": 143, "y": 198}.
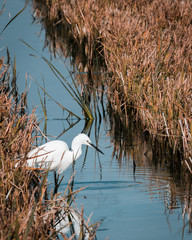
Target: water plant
{"x": 73, "y": 92}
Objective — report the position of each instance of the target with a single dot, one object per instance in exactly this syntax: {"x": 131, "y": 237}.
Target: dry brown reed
{"x": 27, "y": 210}
{"x": 147, "y": 48}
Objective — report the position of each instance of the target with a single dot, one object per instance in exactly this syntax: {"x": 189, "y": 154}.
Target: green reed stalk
{"x": 75, "y": 94}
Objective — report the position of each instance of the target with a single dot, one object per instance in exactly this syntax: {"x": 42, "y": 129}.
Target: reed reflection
{"x": 59, "y": 38}
{"x": 168, "y": 182}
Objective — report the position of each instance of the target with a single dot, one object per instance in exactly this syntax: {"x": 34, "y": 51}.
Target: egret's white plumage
{"x": 55, "y": 155}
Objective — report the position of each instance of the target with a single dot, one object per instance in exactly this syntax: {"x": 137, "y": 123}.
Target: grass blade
{"x": 59, "y": 103}
{"x": 75, "y": 94}
{"x": 13, "y": 19}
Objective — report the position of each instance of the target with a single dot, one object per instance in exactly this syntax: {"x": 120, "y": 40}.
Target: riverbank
{"x": 147, "y": 49}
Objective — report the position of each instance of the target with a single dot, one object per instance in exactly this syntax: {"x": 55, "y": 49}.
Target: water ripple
{"x": 108, "y": 185}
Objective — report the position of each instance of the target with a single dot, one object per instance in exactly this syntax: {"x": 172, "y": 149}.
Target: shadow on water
{"x": 152, "y": 165}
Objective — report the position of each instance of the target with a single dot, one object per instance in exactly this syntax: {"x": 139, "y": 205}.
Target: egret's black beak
{"x": 91, "y": 144}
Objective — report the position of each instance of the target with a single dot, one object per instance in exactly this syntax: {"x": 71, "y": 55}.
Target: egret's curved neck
{"x": 76, "y": 148}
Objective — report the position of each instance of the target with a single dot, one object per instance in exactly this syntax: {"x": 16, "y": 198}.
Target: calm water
{"x": 146, "y": 202}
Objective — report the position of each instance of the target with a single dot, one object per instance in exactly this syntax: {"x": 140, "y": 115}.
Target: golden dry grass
{"x": 147, "y": 48}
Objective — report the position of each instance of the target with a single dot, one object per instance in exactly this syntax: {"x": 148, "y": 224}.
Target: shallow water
{"x": 149, "y": 201}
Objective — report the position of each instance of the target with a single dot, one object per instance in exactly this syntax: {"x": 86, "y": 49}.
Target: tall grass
{"x": 147, "y": 50}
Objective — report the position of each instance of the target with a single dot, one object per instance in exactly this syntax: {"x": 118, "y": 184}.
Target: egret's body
{"x": 55, "y": 155}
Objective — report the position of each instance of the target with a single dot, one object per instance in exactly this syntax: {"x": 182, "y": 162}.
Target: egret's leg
{"x": 57, "y": 181}
{"x": 134, "y": 169}
{"x": 56, "y": 177}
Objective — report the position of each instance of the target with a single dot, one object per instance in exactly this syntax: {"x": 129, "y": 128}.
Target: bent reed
{"x": 147, "y": 48}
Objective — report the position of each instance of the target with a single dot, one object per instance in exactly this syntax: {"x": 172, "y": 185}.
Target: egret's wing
{"x": 39, "y": 158}
{"x": 47, "y": 156}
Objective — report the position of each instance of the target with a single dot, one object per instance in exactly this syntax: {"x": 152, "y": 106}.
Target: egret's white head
{"x": 83, "y": 139}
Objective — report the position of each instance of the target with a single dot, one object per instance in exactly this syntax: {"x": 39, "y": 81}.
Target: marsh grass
{"x": 146, "y": 46}
{"x": 27, "y": 209}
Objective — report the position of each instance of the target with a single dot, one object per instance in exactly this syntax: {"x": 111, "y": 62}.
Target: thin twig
{"x": 41, "y": 131}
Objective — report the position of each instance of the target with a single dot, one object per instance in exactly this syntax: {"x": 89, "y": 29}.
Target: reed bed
{"x": 147, "y": 48}
{"x": 27, "y": 209}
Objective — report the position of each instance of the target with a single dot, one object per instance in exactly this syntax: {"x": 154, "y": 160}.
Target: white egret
{"x": 55, "y": 155}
